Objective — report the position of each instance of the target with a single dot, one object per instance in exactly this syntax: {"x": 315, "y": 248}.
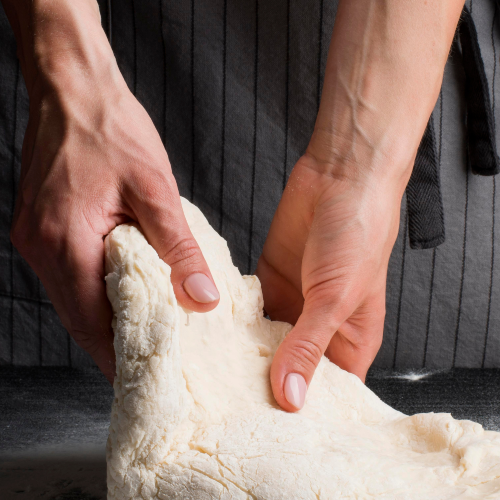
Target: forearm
{"x": 61, "y": 44}
{"x": 384, "y": 71}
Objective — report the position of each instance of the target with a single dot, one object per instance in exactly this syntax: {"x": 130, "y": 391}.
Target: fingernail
{"x": 295, "y": 390}
{"x": 200, "y": 288}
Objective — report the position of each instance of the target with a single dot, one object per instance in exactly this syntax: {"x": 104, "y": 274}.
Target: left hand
{"x": 323, "y": 268}
{"x": 324, "y": 264}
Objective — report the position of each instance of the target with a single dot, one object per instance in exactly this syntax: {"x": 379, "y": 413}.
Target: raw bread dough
{"x": 194, "y": 416}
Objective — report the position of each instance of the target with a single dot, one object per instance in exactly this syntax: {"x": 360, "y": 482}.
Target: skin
{"x": 324, "y": 263}
{"x": 92, "y": 159}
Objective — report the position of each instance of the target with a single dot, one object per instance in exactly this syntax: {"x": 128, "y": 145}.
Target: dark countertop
{"x": 54, "y": 422}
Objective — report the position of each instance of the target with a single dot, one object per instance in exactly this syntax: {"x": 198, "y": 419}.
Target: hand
{"x": 92, "y": 159}
{"x": 324, "y": 264}
{"x": 323, "y": 268}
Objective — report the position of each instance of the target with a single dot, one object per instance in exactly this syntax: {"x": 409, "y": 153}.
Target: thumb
{"x": 300, "y": 353}
{"x": 162, "y": 219}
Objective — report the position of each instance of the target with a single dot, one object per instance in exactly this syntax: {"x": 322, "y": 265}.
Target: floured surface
{"x": 194, "y": 417}
{"x": 54, "y": 472}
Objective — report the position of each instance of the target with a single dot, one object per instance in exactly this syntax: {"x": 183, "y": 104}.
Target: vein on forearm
{"x": 354, "y": 88}
{"x": 384, "y": 70}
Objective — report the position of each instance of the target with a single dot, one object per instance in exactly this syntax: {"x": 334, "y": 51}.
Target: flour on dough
{"x": 194, "y": 417}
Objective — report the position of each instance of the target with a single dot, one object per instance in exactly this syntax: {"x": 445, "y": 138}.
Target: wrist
{"x": 382, "y": 80}
{"x": 314, "y": 184}
{"x": 62, "y": 46}
{"x": 361, "y": 166}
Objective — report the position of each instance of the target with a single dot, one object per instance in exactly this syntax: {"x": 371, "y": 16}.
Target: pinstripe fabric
{"x": 434, "y": 250}
{"x": 233, "y": 88}
{"x": 464, "y": 250}
{"x": 479, "y": 250}
{"x": 13, "y": 184}
{"x": 401, "y": 288}
{"x": 493, "y": 204}
{"x": 287, "y": 94}
{"x": 254, "y": 156}
{"x": 223, "y": 113}
{"x": 191, "y": 64}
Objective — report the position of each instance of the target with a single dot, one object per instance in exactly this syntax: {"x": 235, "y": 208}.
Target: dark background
{"x": 233, "y": 88}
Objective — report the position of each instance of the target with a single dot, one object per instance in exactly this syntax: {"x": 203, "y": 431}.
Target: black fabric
{"x": 232, "y": 87}
{"x": 424, "y": 200}
{"x": 423, "y": 196}
{"x": 482, "y": 151}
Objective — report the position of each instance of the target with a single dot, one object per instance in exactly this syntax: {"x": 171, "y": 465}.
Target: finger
{"x": 354, "y": 357}
{"x": 72, "y": 272}
{"x": 90, "y": 324}
{"x": 299, "y": 354}
{"x": 156, "y": 203}
{"x": 357, "y": 341}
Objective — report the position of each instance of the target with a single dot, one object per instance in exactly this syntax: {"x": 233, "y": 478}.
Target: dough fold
{"x": 194, "y": 417}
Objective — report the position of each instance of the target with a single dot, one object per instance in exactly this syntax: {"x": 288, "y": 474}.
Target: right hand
{"x": 92, "y": 159}
{"x": 323, "y": 269}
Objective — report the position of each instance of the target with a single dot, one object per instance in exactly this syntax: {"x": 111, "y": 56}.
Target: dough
{"x": 194, "y": 416}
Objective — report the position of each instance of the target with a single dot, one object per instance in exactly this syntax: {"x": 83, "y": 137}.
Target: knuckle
{"x": 184, "y": 250}
{"x": 306, "y": 352}
{"x": 89, "y": 343}
{"x": 48, "y": 232}
{"x": 368, "y": 341}
{"x": 152, "y": 191}
{"x": 152, "y": 186}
